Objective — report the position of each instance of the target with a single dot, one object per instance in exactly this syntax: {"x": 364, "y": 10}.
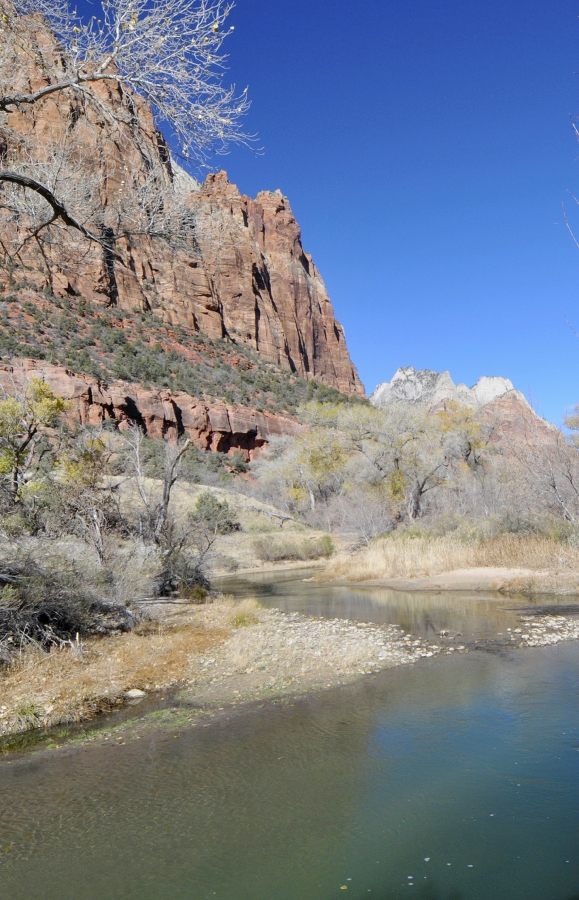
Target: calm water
{"x": 470, "y": 762}
{"x": 475, "y": 615}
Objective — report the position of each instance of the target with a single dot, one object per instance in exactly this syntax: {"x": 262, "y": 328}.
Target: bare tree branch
{"x": 168, "y": 53}
{"x": 59, "y": 209}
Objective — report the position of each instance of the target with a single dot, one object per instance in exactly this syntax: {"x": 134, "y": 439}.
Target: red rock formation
{"x": 514, "y": 422}
{"x": 161, "y": 414}
{"x": 245, "y": 273}
{"x": 272, "y": 296}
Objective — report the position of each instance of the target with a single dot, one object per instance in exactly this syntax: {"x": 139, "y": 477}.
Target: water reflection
{"x": 397, "y": 785}
{"x": 472, "y": 615}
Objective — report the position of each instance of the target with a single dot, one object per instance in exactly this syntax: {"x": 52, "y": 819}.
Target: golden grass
{"x": 43, "y": 689}
{"x": 67, "y": 685}
{"x": 418, "y": 557}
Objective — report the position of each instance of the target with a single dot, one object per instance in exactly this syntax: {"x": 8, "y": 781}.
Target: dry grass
{"x": 224, "y": 652}
{"x": 418, "y": 557}
{"x": 276, "y": 549}
{"x": 70, "y": 685}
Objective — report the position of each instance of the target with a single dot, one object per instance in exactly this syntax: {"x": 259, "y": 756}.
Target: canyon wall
{"x": 240, "y": 273}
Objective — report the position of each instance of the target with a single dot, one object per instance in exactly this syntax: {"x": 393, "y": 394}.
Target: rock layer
{"x": 161, "y": 414}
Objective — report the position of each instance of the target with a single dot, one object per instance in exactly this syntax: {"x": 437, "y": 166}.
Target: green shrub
{"x": 244, "y": 620}
{"x": 215, "y": 514}
{"x": 197, "y": 593}
{"x": 326, "y": 545}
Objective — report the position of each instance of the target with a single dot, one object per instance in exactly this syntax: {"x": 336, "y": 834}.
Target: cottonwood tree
{"x": 362, "y": 511}
{"x": 375, "y": 466}
{"x": 27, "y": 415}
{"x": 411, "y": 452}
{"x": 166, "y": 54}
{"x": 85, "y": 500}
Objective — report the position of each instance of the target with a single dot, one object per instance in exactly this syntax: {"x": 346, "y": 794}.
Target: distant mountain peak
{"x": 425, "y": 387}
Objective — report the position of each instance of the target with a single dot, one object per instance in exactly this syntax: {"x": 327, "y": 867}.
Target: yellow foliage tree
{"x": 320, "y": 458}
{"x": 24, "y": 418}
{"x": 87, "y": 498}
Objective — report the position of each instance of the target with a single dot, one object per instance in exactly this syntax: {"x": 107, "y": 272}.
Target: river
{"x": 454, "y": 779}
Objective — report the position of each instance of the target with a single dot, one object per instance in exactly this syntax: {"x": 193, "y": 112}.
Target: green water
{"x": 456, "y": 778}
{"x": 469, "y": 762}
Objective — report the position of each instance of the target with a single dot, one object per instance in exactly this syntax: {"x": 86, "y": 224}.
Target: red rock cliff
{"x": 243, "y": 273}
{"x": 161, "y": 414}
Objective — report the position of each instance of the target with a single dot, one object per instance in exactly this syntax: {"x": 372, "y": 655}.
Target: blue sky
{"x": 426, "y": 149}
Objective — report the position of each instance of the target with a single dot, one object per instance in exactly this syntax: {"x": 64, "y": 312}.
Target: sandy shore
{"x": 503, "y": 580}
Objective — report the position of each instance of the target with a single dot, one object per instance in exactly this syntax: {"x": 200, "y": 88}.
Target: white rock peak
{"x": 427, "y": 388}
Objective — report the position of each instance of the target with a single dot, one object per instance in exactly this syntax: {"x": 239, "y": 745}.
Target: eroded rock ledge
{"x": 160, "y": 413}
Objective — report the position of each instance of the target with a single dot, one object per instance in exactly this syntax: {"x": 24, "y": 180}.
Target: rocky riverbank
{"x": 225, "y": 654}
{"x": 542, "y": 630}
{"x": 219, "y": 653}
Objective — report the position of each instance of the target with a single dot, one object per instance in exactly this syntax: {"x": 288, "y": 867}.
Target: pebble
{"x": 540, "y": 631}
{"x": 303, "y": 645}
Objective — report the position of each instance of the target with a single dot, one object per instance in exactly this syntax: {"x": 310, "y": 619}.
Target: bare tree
{"x": 155, "y": 523}
{"x": 363, "y": 513}
{"x": 49, "y": 202}
{"x": 549, "y": 464}
{"x": 52, "y": 204}
{"x": 166, "y": 54}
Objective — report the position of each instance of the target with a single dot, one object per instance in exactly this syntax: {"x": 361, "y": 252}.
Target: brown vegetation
{"x": 79, "y": 681}
{"x": 219, "y": 653}
{"x": 403, "y": 556}
{"x": 275, "y": 549}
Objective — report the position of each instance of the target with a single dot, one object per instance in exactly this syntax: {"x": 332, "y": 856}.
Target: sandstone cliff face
{"x": 243, "y": 273}
{"x": 161, "y": 414}
{"x": 271, "y": 294}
